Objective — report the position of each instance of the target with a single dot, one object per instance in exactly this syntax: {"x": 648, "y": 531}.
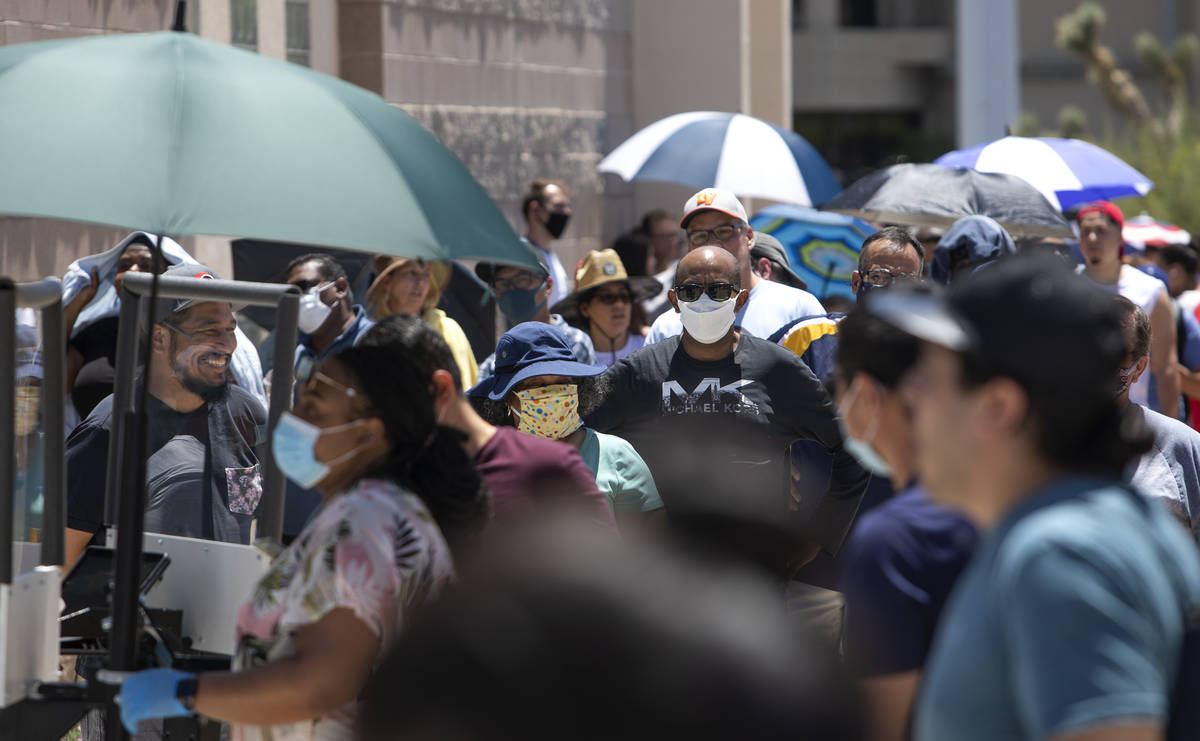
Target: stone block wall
{"x": 518, "y": 89}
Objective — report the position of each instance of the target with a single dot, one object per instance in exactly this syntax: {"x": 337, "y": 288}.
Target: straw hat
{"x": 604, "y": 266}
{"x": 385, "y": 265}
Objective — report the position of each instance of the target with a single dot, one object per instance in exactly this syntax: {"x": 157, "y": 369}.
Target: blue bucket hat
{"x": 527, "y": 350}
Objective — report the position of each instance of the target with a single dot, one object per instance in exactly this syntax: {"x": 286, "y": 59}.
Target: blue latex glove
{"x": 151, "y": 694}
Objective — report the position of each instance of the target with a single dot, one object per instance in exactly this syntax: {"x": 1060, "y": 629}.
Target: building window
{"x": 244, "y": 24}
{"x": 799, "y": 13}
{"x": 299, "y": 41}
{"x": 897, "y": 13}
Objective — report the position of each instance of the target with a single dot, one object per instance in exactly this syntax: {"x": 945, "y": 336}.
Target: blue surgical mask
{"x": 520, "y": 305}
{"x": 863, "y": 452}
{"x": 293, "y": 447}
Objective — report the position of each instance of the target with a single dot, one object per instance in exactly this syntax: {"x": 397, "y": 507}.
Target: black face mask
{"x": 556, "y": 224}
{"x": 863, "y": 289}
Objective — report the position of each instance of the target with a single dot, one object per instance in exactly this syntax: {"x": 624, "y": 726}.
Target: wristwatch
{"x": 185, "y": 693}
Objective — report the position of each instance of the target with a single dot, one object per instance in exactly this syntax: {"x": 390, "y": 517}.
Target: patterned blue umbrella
{"x": 822, "y": 247}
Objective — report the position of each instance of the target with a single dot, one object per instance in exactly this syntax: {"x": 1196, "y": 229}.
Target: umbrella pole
{"x": 131, "y": 517}
{"x": 825, "y": 283}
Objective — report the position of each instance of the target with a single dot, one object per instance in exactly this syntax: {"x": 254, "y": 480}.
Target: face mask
{"x": 551, "y": 412}
{"x": 1124, "y": 378}
{"x": 862, "y": 451}
{"x": 556, "y": 224}
{"x": 313, "y": 311}
{"x": 520, "y": 305}
{"x": 293, "y": 443}
{"x": 27, "y": 400}
{"x": 706, "y": 320}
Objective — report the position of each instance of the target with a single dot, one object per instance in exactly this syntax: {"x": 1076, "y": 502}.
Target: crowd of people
{"x": 681, "y": 495}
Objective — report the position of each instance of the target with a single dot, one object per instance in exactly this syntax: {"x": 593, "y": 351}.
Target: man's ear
{"x": 674, "y": 301}
{"x": 762, "y": 266}
{"x": 1004, "y": 406}
{"x": 341, "y": 285}
{"x": 548, "y": 287}
{"x": 445, "y": 390}
{"x": 742, "y": 298}
{"x": 749, "y": 235}
{"x": 160, "y": 338}
{"x": 1139, "y": 369}
{"x": 855, "y": 282}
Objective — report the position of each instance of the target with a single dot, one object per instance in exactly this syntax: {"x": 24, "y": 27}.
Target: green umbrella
{"x": 173, "y": 134}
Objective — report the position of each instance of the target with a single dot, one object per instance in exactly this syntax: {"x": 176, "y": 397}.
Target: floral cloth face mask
{"x": 551, "y": 412}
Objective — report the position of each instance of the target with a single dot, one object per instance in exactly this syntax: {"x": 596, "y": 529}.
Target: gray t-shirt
{"x": 1170, "y": 471}
{"x": 1069, "y": 617}
{"x": 192, "y": 489}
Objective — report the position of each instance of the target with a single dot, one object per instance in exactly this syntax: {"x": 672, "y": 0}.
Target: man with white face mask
{"x": 329, "y": 323}
{"x": 713, "y": 411}
{"x": 714, "y": 217}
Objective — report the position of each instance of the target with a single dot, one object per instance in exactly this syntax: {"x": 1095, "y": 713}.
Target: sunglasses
{"x": 689, "y": 292}
{"x": 882, "y": 277}
{"x": 721, "y": 233}
{"x": 306, "y": 373}
{"x": 617, "y": 297}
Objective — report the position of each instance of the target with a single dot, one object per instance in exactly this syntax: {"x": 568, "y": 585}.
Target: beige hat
{"x": 604, "y": 266}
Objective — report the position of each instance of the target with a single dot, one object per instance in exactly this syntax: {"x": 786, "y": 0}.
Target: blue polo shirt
{"x": 1070, "y": 617}
{"x": 898, "y": 566}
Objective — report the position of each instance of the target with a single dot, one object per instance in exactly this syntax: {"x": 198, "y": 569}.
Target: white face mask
{"x": 313, "y": 311}
{"x": 706, "y": 320}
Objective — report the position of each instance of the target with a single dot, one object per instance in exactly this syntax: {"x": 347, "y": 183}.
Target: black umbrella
{"x": 936, "y": 196}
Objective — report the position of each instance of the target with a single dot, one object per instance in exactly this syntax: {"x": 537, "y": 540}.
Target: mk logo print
{"x": 709, "y": 397}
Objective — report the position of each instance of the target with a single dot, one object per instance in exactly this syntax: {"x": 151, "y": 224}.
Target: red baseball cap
{"x": 1109, "y": 209}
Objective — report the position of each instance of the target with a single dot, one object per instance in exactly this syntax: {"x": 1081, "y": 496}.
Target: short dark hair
{"x": 633, "y": 247}
{"x": 868, "y": 344}
{"x": 657, "y": 214}
{"x": 897, "y": 235}
{"x": 1182, "y": 255}
{"x": 419, "y": 342}
{"x": 536, "y": 193}
{"x": 328, "y": 268}
{"x": 1134, "y": 322}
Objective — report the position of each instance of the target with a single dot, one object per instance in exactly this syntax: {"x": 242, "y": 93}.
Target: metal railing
{"x": 45, "y": 295}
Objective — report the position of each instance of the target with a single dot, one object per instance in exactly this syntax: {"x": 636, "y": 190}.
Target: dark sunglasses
{"x": 608, "y": 299}
{"x": 689, "y": 292}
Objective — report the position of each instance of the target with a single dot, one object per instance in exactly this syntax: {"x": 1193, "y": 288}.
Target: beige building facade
{"x": 518, "y": 89}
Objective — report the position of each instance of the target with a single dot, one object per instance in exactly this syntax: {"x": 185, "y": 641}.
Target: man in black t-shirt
{"x": 203, "y": 478}
{"x": 714, "y": 410}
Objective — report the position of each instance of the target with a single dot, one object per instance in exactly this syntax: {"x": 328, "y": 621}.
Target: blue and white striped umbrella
{"x": 704, "y": 149}
{"x": 1068, "y": 172}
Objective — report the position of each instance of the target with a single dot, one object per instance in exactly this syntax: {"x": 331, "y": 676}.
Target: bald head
{"x": 706, "y": 265}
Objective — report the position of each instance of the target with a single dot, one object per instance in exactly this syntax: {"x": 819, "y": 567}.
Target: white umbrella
{"x": 741, "y": 153}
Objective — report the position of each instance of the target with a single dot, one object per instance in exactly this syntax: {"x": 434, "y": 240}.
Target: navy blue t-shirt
{"x": 899, "y": 565}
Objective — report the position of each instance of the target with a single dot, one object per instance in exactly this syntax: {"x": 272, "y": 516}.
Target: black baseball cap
{"x": 1029, "y": 317}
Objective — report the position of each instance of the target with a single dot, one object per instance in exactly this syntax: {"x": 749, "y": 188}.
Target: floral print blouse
{"x": 374, "y": 549}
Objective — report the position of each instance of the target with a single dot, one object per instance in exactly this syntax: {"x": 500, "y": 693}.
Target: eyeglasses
{"x": 306, "y": 373}
{"x": 524, "y": 281}
{"x": 614, "y": 297}
{"x": 882, "y": 277}
{"x": 689, "y": 292}
{"x": 208, "y": 335}
{"x": 719, "y": 233}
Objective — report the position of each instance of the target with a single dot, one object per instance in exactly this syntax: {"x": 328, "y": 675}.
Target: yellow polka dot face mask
{"x": 551, "y": 412}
